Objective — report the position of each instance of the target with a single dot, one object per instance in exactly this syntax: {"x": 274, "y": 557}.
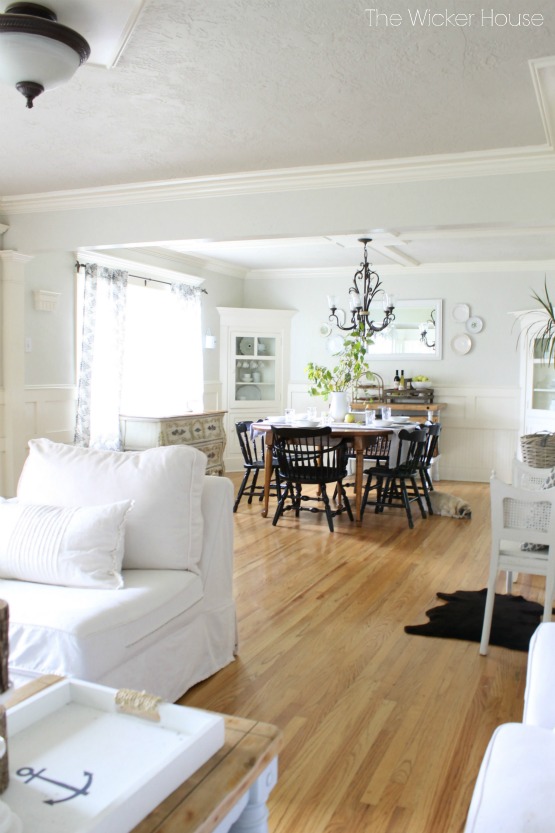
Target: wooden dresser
{"x": 204, "y": 430}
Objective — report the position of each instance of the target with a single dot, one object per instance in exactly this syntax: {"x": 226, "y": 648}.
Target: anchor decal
{"x": 29, "y": 773}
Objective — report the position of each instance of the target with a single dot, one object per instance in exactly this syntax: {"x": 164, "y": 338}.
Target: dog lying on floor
{"x": 449, "y": 506}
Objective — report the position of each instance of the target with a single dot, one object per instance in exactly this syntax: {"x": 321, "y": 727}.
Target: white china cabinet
{"x": 254, "y": 368}
{"x": 537, "y": 376}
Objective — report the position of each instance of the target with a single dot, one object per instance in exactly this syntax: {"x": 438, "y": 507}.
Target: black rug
{"x": 514, "y": 619}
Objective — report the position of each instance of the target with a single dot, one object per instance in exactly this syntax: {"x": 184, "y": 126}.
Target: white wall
{"x": 51, "y": 228}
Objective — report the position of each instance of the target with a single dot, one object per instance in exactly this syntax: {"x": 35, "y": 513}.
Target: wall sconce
{"x": 209, "y": 341}
{"x": 45, "y": 301}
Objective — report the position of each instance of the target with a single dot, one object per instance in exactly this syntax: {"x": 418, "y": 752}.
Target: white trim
{"x": 410, "y": 169}
{"x": 140, "y": 270}
{"x": 540, "y": 67}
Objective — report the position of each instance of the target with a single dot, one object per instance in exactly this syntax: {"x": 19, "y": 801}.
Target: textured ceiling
{"x": 207, "y": 87}
{"x": 214, "y": 86}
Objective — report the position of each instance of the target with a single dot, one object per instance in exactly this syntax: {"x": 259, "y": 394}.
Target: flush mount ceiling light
{"x": 36, "y": 52}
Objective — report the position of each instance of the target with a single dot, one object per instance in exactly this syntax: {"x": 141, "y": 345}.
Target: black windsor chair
{"x": 430, "y": 449}
{"x": 395, "y": 482}
{"x": 310, "y": 457}
{"x": 253, "y": 449}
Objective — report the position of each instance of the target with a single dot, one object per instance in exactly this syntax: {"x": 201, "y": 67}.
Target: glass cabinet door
{"x": 543, "y": 379}
{"x": 255, "y": 367}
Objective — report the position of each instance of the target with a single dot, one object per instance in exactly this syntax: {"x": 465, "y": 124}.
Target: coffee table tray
{"x": 78, "y": 764}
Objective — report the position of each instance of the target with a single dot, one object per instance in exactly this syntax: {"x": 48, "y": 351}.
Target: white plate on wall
{"x": 474, "y": 324}
{"x": 461, "y": 312}
{"x": 462, "y": 344}
{"x": 336, "y": 345}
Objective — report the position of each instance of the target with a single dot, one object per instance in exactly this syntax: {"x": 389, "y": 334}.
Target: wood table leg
{"x": 359, "y": 470}
{"x": 268, "y": 457}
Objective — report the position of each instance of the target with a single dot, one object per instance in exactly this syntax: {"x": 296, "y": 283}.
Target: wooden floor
{"x": 384, "y": 732}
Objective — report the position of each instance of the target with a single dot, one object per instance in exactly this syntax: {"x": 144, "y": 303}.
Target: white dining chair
{"x": 520, "y": 517}
{"x": 530, "y": 477}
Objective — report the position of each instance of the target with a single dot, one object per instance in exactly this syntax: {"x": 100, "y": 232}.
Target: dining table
{"x": 359, "y": 436}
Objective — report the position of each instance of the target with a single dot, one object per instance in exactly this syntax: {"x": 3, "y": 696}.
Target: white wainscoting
{"x": 480, "y": 429}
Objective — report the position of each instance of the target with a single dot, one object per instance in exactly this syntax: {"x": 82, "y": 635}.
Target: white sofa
{"x": 516, "y": 783}
{"x": 128, "y": 580}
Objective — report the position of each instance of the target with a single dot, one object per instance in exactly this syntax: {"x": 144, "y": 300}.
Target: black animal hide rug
{"x": 514, "y": 619}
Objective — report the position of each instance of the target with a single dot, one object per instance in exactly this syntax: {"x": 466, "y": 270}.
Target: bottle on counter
{"x": 402, "y": 383}
{"x": 396, "y": 380}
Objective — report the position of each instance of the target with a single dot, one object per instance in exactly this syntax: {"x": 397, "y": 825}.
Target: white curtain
{"x": 141, "y": 354}
{"x": 100, "y": 373}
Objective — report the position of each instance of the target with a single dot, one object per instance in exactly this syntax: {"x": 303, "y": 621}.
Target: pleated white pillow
{"x": 72, "y": 547}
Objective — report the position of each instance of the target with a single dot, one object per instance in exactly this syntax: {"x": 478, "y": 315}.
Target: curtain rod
{"x": 79, "y": 266}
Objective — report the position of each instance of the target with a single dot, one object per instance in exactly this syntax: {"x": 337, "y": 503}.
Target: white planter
{"x": 339, "y": 406}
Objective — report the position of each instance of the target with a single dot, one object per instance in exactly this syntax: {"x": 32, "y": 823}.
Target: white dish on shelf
{"x": 422, "y": 385}
{"x": 248, "y": 392}
{"x": 246, "y": 346}
{"x": 462, "y": 344}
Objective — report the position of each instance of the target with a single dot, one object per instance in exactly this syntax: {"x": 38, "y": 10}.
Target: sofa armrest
{"x": 216, "y": 563}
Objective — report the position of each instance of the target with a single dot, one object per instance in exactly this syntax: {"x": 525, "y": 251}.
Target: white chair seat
{"x": 514, "y": 790}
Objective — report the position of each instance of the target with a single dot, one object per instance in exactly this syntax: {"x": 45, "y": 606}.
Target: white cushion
{"x": 72, "y": 547}
{"x": 94, "y": 632}
{"x": 514, "y": 789}
{"x": 539, "y": 697}
{"x": 165, "y": 529}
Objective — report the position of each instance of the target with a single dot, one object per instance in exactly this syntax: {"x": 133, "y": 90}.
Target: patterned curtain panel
{"x": 190, "y": 317}
{"x": 100, "y": 374}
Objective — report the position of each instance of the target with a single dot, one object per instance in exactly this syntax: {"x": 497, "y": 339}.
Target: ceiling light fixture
{"x": 36, "y": 52}
{"x": 366, "y": 285}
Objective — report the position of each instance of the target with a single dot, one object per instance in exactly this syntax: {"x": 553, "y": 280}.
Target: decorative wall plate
{"x": 336, "y": 345}
{"x": 461, "y": 312}
{"x": 462, "y": 344}
{"x": 324, "y": 330}
{"x": 474, "y": 324}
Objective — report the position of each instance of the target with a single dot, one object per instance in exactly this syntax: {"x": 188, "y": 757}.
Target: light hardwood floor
{"x": 384, "y": 732}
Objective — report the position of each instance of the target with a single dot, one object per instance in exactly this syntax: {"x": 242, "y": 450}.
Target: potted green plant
{"x": 345, "y": 377}
{"x": 542, "y": 333}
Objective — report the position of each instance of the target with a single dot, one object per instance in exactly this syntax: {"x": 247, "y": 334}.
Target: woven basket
{"x": 538, "y": 449}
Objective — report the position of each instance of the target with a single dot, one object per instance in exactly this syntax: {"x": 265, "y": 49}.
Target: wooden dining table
{"x": 359, "y": 437}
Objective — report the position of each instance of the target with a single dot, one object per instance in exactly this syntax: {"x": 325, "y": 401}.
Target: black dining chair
{"x": 311, "y": 457}
{"x": 253, "y": 449}
{"x": 395, "y": 482}
{"x": 429, "y": 452}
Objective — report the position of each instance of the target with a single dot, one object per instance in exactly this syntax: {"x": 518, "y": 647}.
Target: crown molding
{"x": 457, "y": 267}
{"x": 531, "y": 159}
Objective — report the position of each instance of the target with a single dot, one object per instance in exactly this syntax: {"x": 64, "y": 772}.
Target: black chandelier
{"x": 425, "y": 328}
{"x": 366, "y": 285}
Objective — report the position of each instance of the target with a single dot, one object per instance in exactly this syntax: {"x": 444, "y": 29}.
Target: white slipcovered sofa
{"x": 117, "y": 567}
{"x": 516, "y": 783}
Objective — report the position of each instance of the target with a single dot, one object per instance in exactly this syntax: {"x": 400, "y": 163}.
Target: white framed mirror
{"x": 416, "y": 332}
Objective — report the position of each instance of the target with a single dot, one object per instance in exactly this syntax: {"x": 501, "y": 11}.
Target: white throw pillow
{"x": 165, "y": 529}
{"x": 71, "y": 547}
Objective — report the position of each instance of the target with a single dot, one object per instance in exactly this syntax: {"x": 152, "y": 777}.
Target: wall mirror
{"x": 416, "y": 332}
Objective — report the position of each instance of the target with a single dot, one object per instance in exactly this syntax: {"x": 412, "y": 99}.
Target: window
{"x": 162, "y": 365}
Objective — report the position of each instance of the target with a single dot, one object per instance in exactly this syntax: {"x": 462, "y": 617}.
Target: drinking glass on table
{"x": 369, "y": 416}
{"x": 289, "y": 415}
{"x": 311, "y": 414}
{"x": 386, "y": 413}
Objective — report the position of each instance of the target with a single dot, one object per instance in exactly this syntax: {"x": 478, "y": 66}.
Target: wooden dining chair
{"x": 395, "y": 482}
{"x": 428, "y": 454}
{"x": 310, "y": 457}
{"x": 253, "y": 451}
